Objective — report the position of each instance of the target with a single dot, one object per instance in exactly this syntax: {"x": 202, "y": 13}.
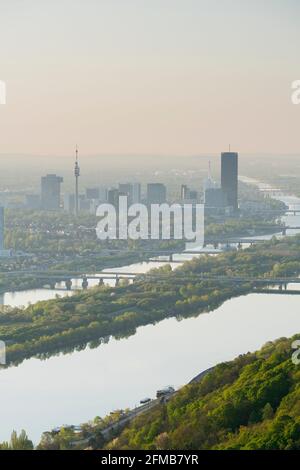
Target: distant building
{"x": 136, "y": 193}
{"x": 113, "y": 197}
{"x": 193, "y": 195}
{"x": 156, "y": 193}
{"x": 50, "y": 192}
{"x": 229, "y": 178}
{"x": 126, "y": 189}
{"x": 69, "y": 202}
{"x": 209, "y": 182}
{"x": 92, "y": 193}
{"x": 83, "y": 202}
{"x": 184, "y": 192}
{"x": 215, "y": 198}
{"x": 32, "y": 201}
{"x": 102, "y": 194}
{"x": 132, "y": 191}
{"x": 188, "y": 195}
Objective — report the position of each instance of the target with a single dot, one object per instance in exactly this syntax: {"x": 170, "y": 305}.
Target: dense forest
{"x": 250, "y": 403}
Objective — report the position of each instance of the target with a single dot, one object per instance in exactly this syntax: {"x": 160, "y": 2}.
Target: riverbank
{"x": 114, "y": 374}
{"x": 51, "y": 326}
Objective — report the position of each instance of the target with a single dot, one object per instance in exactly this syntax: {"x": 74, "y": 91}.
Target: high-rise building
{"x": 69, "y": 202}
{"x": 102, "y": 194}
{"x": 229, "y": 178}
{"x": 156, "y": 193}
{"x": 136, "y": 193}
{"x": 184, "y": 192}
{"x": 113, "y": 197}
{"x": 132, "y": 191}
{"x": 50, "y": 192}
{"x": 126, "y": 189}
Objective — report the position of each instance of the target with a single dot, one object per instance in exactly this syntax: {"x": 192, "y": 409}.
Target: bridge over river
{"x": 53, "y": 277}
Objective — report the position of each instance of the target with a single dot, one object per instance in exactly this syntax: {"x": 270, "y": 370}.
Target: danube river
{"x": 72, "y": 388}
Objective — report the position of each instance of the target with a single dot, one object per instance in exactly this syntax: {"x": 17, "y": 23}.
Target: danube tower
{"x": 77, "y": 174}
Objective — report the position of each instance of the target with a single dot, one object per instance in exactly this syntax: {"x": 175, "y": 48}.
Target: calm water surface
{"x": 70, "y": 389}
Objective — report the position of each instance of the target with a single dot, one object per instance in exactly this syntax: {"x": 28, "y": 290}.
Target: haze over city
{"x": 149, "y": 228}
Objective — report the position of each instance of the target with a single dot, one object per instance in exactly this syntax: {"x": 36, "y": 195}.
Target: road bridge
{"x": 58, "y": 276}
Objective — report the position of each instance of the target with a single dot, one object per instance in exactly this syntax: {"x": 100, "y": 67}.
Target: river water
{"x": 72, "y": 388}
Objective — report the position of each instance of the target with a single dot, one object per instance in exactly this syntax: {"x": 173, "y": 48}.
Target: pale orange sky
{"x": 157, "y": 76}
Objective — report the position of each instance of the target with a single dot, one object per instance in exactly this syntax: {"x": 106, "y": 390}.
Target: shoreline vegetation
{"x": 250, "y": 403}
{"x": 92, "y": 316}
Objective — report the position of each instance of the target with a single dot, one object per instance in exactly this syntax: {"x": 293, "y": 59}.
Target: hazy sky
{"x": 149, "y": 76}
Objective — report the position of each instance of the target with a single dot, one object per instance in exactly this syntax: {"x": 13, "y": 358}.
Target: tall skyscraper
{"x": 156, "y": 193}
{"x": 50, "y": 192}
{"x": 76, "y": 174}
{"x": 229, "y": 178}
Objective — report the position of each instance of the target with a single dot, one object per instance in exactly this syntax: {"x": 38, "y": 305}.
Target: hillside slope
{"x": 252, "y": 402}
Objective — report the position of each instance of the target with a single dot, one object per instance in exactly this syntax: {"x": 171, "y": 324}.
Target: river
{"x": 72, "y": 388}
